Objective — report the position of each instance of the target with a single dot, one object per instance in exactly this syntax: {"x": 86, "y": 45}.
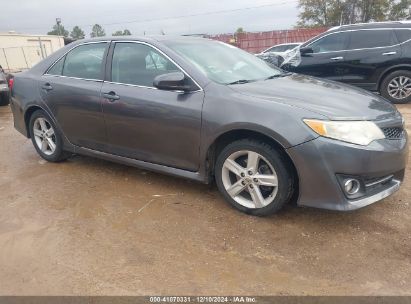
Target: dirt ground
{"x": 91, "y": 227}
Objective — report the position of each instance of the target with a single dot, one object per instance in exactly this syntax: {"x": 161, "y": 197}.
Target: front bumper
{"x": 393, "y": 187}
{"x": 320, "y": 161}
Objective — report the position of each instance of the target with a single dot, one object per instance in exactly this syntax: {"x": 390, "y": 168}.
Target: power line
{"x": 199, "y": 14}
{"x": 176, "y": 17}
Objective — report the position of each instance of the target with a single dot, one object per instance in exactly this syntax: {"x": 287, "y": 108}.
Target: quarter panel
{"x": 22, "y": 98}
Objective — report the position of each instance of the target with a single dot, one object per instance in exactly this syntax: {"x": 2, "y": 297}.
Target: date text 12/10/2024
{"x": 203, "y": 299}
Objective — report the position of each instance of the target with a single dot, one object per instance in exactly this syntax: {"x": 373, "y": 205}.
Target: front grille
{"x": 393, "y": 132}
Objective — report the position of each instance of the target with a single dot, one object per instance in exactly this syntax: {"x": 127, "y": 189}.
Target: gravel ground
{"x": 91, "y": 227}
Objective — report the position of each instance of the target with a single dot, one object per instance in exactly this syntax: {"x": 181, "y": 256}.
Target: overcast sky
{"x": 149, "y": 16}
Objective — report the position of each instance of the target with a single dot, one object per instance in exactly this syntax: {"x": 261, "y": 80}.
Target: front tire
{"x": 46, "y": 138}
{"x": 254, "y": 177}
{"x": 396, "y": 87}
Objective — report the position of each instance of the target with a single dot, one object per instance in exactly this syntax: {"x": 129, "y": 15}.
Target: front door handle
{"x": 389, "y": 53}
{"x": 337, "y": 58}
{"x": 111, "y": 96}
{"x": 47, "y": 87}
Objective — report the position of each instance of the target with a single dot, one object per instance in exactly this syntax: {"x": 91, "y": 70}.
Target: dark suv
{"x": 374, "y": 56}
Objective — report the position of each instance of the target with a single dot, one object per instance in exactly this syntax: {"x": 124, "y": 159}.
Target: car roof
{"x": 43, "y": 65}
{"x": 372, "y": 25}
{"x": 362, "y": 26}
{"x": 151, "y": 38}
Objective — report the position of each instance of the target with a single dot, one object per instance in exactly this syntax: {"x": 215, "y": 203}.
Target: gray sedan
{"x": 206, "y": 111}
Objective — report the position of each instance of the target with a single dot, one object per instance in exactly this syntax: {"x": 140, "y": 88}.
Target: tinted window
{"x": 85, "y": 61}
{"x": 139, "y": 64}
{"x": 371, "y": 39}
{"x": 330, "y": 43}
{"x": 403, "y": 35}
{"x": 57, "y": 68}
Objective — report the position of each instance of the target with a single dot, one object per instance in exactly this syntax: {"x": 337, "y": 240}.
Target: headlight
{"x": 356, "y": 132}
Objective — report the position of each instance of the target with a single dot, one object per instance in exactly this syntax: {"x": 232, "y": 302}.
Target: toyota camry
{"x": 208, "y": 111}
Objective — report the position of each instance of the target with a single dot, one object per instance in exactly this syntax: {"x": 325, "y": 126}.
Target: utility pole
{"x": 58, "y": 21}
{"x": 41, "y": 48}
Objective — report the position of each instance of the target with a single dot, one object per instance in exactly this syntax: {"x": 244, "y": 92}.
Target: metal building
{"x": 20, "y": 52}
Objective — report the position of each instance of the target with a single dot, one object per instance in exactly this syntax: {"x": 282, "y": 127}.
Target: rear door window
{"x": 331, "y": 43}
{"x": 57, "y": 68}
{"x": 367, "y": 39}
{"x": 84, "y": 61}
{"x": 403, "y": 35}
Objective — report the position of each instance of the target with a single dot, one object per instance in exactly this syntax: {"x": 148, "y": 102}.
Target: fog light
{"x": 351, "y": 186}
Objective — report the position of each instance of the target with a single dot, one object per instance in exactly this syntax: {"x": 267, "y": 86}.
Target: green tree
{"x": 118, "y": 33}
{"x": 126, "y": 32}
{"x": 335, "y": 12}
{"x": 59, "y": 30}
{"x": 97, "y": 31}
{"x": 239, "y": 30}
{"x": 400, "y": 10}
{"x": 77, "y": 33}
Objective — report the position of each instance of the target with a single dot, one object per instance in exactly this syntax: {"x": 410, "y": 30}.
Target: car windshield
{"x": 223, "y": 63}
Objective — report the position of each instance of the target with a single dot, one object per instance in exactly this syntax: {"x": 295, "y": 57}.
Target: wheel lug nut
{"x": 250, "y": 172}
{"x": 251, "y": 186}
{"x": 255, "y": 180}
{"x": 242, "y": 174}
{"x": 243, "y": 183}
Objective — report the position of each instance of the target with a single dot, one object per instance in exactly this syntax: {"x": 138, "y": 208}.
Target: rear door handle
{"x": 47, "y": 87}
{"x": 389, "y": 53}
{"x": 337, "y": 58}
{"x": 111, "y": 96}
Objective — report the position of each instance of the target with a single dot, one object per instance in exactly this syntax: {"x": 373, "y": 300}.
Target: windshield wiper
{"x": 240, "y": 81}
{"x": 278, "y": 75}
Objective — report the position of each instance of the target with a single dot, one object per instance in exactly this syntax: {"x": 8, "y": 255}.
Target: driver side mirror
{"x": 171, "y": 82}
{"x": 306, "y": 50}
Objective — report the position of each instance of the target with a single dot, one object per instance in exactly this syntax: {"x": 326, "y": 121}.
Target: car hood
{"x": 334, "y": 100}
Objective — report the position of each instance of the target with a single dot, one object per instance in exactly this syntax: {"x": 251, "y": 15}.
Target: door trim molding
{"x": 142, "y": 164}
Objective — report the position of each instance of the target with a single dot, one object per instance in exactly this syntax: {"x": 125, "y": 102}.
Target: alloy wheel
{"x": 249, "y": 179}
{"x": 400, "y": 87}
{"x": 44, "y": 136}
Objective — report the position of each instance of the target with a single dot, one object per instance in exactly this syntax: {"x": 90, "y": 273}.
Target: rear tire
{"x": 396, "y": 87}
{"x": 46, "y": 138}
{"x": 254, "y": 177}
